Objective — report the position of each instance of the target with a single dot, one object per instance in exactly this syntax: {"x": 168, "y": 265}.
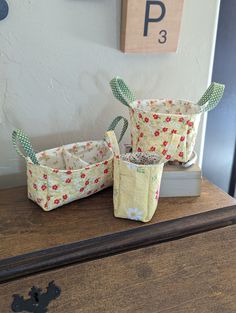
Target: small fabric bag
{"x": 61, "y": 175}
{"x": 154, "y": 121}
{"x": 137, "y": 180}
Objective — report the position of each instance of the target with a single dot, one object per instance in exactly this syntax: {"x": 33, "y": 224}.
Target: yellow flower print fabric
{"x": 137, "y": 180}
{"x": 136, "y": 189}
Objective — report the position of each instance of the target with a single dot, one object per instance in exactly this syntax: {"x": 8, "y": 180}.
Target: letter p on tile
{"x": 148, "y": 19}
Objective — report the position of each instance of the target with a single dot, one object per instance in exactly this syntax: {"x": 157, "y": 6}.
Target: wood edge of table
{"x": 99, "y": 247}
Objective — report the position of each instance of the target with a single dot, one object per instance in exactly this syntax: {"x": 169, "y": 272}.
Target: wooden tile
{"x": 151, "y": 26}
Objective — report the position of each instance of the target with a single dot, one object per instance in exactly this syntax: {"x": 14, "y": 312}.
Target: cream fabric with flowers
{"x": 154, "y": 121}
{"x": 61, "y": 175}
{"x": 71, "y": 172}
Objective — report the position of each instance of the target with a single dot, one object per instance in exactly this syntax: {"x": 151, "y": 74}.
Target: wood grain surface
{"x": 25, "y": 228}
{"x": 104, "y": 246}
{"x": 194, "y": 274}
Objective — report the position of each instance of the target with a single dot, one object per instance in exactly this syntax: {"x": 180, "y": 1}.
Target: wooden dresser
{"x": 182, "y": 261}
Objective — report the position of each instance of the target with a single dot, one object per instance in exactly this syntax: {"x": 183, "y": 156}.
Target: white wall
{"x": 57, "y": 56}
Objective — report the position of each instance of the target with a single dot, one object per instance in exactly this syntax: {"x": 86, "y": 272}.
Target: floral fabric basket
{"x": 154, "y": 121}
{"x": 137, "y": 180}
{"x": 61, "y": 175}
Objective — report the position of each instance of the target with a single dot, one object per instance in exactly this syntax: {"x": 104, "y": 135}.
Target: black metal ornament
{"x": 38, "y": 301}
{"x": 4, "y": 9}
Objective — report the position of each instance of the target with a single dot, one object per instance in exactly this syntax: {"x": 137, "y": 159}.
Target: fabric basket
{"x": 154, "y": 121}
{"x": 137, "y": 180}
{"x": 61, "y": 175}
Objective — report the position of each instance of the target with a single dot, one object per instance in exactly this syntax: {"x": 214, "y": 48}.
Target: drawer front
{"x": 194, "y": 274}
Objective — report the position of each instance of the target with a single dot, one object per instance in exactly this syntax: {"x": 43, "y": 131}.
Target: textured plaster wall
{"x": 57, "y": 56}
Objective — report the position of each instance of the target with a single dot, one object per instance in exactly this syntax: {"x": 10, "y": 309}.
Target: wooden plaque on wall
{"x": 151, "y": 25}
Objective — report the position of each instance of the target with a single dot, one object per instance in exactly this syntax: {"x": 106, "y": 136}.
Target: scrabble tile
{"x": 151, "y": 26}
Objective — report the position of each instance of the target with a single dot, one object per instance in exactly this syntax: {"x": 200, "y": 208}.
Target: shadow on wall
{"x": 88, "y": 107}
{"x": 92, "y": 116}
{"x": 110, "y": 14}
{"x": 100, "y": 100}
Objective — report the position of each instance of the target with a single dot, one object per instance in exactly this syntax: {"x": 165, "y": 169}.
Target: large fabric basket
{"x": 61, "y": 175}
{"x": 154, "y": 121}
{"x": 137, "y": 182}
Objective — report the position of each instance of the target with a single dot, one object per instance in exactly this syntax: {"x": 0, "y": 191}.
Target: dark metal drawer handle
{"x": 38, "y": 301}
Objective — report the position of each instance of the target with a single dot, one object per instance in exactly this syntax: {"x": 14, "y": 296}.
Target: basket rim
{"x": 165, "y": 114}
{"x": 91, "y": 166}
{"x": 140, "y": 165}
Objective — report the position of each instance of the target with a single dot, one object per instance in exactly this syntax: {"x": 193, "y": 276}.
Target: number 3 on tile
{"x": 151, "y": 25}
{"x": 163, "y": 38}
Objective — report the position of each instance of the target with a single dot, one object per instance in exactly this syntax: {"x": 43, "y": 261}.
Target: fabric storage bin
{"x": 61, "y": 175}
{"x": 137, "y": 180}
{"x": 154, "y": 121}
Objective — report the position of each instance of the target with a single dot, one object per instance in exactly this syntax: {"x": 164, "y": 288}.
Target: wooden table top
{"x": 193, "y": 274}
{"x": 25, "y": 228}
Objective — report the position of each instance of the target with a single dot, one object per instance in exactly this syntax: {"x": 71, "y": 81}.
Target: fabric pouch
{"x": 137, "y": 181}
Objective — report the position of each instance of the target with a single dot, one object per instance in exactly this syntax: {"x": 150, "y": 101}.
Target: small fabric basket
{"x": 61, "y": 175}
{"x": 137, "y": 180}
{"x": 154, "y": 121}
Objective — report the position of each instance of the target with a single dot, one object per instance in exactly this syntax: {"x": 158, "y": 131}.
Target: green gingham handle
{"x": 19, "y": 135}
{"x": 115, "y": 122}
{"x": 121, "y": 91}
{"x": 211, "y": 97}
